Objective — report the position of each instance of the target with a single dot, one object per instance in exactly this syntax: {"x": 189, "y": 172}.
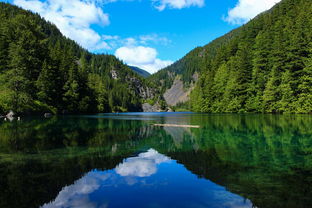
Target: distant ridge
{"x": 140, "y": 71}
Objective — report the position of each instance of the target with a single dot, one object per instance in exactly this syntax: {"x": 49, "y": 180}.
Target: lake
{"x": 123, "y": 160}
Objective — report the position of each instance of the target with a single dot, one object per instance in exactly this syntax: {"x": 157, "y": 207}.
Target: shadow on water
{"x": 262, "y": 160}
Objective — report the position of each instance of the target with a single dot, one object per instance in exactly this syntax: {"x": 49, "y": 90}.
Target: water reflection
{"x": 145, "y": 164}
{"x": 150, "y": 179}
{"x": 264, "y": 158}
{"x": 77, "y": 195}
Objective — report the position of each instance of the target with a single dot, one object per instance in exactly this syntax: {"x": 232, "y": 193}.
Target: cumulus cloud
{"x": 134, "y": 51}
{"x": 73, "y": 18}
{"x": 248, "y": 9}
{"x": 143, "y": 165}
{"x": 177, "y": 4}
{"x": 142, "y": 57}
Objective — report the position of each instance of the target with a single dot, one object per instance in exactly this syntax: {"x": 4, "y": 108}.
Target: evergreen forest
{"x": 43, "y": 71}
{"x": 265, "y": 66}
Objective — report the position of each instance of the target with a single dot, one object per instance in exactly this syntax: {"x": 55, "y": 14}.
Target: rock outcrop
{"x": 144, "y": 91}
{"x": 177, "y": 94}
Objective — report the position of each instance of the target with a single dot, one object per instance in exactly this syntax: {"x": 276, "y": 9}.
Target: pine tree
{"x": 48, "y": 84}
{"x": 287, "y": 94}
{"x": 71, "y": 88}
{"x": 304, "y": 103}
{"x": 271, "y": 94}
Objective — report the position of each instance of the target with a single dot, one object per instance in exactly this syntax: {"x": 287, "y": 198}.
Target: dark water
{"x": 122, "y": 160}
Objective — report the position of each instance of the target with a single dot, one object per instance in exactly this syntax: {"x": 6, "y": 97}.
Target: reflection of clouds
{"x": 143, "y": 165}
{"x": 229, "y": 199}
{"x": 99, "y": 189}
{"x": 76, "y": 195}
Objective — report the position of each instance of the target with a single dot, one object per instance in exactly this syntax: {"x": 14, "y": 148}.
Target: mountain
{"x": 140, "y": 72}
{"x": 264, "y": 66}
{"x": 43, "y": 71}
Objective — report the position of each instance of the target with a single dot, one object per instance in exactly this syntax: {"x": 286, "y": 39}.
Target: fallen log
{"x": 177, "y": 125}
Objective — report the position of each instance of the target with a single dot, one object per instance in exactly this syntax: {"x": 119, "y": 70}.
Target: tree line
{"x": 265, "y": 66}
{"x": 43, "y": 71}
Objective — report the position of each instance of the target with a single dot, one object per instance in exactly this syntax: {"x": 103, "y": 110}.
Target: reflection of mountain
{"x": 77, "y": 194}
{"x": 264, "y": 187}
{"x": 177, "y": 134}
{"x": 33, "y": 182}
{"x": 266, "y": 159}
{"x": 63, "y": 150}
{"x": 149, "y": 184}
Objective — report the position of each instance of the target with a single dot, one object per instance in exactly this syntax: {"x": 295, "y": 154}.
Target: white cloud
{"x": 248, "y": 9}
{"x": 177, "y": 4}
{"x": 110, "y": 37}
{"x": 73, "y": 18}
{"x": 154, "y": 38}
{"x": 142, "y": 57}
{"x": 143, "y": 165}
{"x": 135, "y": 51}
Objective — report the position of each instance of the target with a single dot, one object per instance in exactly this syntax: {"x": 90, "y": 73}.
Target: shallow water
{"x": 122, "y": 160}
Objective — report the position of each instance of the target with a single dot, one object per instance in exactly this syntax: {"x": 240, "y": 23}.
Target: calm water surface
{"x": 122, "y": 160}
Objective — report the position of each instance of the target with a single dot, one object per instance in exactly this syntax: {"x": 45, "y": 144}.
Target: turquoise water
{"x": 122, "y": 160}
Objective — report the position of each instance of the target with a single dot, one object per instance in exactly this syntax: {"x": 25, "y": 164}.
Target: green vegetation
{"x": 42, "y": 71}
{"x": 264, "y": 66}
{"x": 264, "y": 158}
{"x": 182, "y": 107}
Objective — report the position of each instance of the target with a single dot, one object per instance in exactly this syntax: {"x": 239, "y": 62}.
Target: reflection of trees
{"x": 39, "y": 157}
{"x": 33, "y": 182}
{"x": 39, "y": 135}
{"x": 261, "y": 157}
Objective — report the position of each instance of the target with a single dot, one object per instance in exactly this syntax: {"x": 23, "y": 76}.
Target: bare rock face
{"x": 144, "y": 91}
{"x": 114, "y": 74}
{"x": 177, "y": 94}
{"x": 195, "y": 77}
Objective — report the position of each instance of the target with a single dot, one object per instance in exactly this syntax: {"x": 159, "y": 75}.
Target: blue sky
{"x": 150, "y": 34}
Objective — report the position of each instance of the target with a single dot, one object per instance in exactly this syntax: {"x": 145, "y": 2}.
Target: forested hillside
{"x": 263, "y": 66}
{"x": 194, "y": 62}
{"x": 42, "y": 71}
{"x": 140, "y": 72}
